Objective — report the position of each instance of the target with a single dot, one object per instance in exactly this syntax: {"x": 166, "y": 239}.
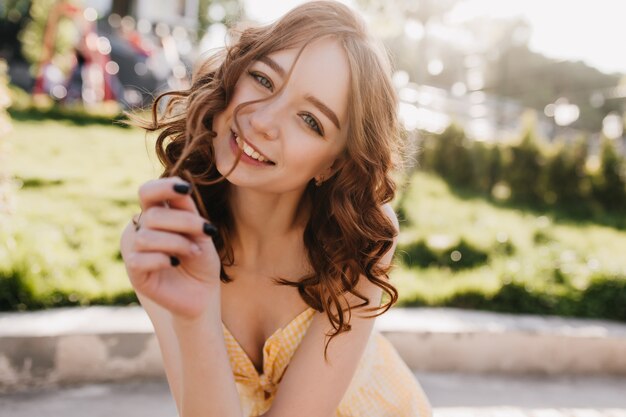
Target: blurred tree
{"x": 388, "y": 17}
{"x": 497, "y": 48}
{"x": 452, "y": 158}
{"x": 536, "y": 81}
{"x": 485, "y": 166}
{"x": 217, "y": 11}
{"x": 522, "y": 169}
{"x": 6, "y": 184}
{"x": 609, "y": 184}
{"x": 13, "y": 14}
{"x": 14, "y": 10}
{"x": 530, "y": 172}
{"x": 33, "y": 36}
{"x": 565, "y": 175}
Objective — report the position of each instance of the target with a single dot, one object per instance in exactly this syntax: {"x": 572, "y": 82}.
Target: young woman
{"x": 271, "y": 225}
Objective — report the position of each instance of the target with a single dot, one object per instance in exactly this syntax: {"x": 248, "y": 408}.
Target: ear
{"x": 337, "y": 164}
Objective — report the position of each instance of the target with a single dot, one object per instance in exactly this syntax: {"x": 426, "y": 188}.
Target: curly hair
{"x": 347, "y": 233}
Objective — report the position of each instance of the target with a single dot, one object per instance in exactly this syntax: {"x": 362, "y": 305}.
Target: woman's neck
{"x": 264, "y": 223}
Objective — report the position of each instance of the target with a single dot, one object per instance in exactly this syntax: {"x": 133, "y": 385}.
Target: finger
{"x": 148, "y": 240}
{"x": 139, "y": 264}
{"x": 179, "y": 221}
{"x": 172, "y": 190}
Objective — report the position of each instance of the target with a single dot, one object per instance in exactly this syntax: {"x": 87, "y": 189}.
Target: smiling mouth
{"x": 250, "y": 152}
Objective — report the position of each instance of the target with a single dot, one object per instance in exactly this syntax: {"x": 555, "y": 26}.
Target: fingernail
{"x": 174, "y": 261}
{"x": 209, "y": 230}
{"x": 182, "y": 188}
{"x": 196, "y": 249}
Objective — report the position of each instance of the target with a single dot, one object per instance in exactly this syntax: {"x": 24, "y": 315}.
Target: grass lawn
{"x": 80, "y": 189}
{"x": 543, "y": 254}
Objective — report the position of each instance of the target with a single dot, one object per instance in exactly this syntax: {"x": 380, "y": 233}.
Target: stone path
{"x": 451, "y": 394}
{"x": 516, "y": 412}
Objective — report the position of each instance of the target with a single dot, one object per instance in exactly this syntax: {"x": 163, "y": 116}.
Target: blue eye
{"x": 312, "y": 122}
{"x": 308, "y": 118}
{"x": 261, "y": 80}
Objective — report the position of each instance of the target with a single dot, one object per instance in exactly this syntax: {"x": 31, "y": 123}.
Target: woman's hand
{"x": 171, "y": 259}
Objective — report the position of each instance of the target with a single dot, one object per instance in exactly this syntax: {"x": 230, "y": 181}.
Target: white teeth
{"x": 248, "y": 150}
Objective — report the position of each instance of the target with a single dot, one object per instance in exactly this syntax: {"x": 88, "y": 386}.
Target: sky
{"x": 589, "y": 30}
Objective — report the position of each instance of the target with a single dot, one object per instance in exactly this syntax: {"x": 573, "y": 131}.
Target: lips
{"x": 244, "y": 157}
{"x": 267, "y": 160}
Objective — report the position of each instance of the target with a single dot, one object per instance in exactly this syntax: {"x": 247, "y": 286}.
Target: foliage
{"x": 540, "y": 176}
{"x": 232, "y": 10}
{"x": 528, "y": 262}
{"x": 510, "y": 68}
{"x": 13, "y": 10}
{"x": 566, "y": 181}
{"x": 451, "y": 158}
{"x": 608, "y": 183}
{"x": 604, "y": 298}
{"x": 78, "y": 189}
{"x": 33, "y": 34}
{"x": 523, "y": 167}
{"x": 24, "y": 107}
{"x": 6, "y": 183}
{"x": 458, "y": 256}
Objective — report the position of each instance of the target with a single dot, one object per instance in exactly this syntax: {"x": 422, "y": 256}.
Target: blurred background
{"x": 514, "y": 199}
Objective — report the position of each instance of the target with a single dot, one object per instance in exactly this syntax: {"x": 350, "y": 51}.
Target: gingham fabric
{"x": 383, "y": 385}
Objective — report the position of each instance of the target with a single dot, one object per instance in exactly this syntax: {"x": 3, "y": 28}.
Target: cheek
{"x": 243, "y": 92}
{"x": 306, "y": 159}
{"x": 238, "y": 96}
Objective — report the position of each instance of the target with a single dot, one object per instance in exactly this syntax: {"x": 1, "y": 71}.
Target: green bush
{"x": 16, "y": 292}
{"x": 511, "y": 297}
{"x": 452, "y": 157}
{"x": 51, "y": 266}
{"x": 608, "y": 185}
{"x": 565, "y": 175}
{"x": 542, "y": 237}
{"x": 503, "y": 248}
{"x": 416, "y": 254}
{"x": 78, "y": 116}
{"x": 534, "y": 175}
{"x": 460, "y": 256}
{"x": 522, "y": 170}
{"x": 605, "y": 297}
{"x": 486, "y": 166}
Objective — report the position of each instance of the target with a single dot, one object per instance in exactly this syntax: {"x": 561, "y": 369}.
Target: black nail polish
{"x": 182, "y": 188}
{"x": 210, "y": 230}
{"x": 174, "y": 261}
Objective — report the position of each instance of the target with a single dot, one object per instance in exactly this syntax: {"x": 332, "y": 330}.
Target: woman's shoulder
{"x": 391, "y": 214}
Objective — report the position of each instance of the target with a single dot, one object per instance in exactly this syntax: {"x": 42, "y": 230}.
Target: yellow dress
{"x": 383, "y": 385}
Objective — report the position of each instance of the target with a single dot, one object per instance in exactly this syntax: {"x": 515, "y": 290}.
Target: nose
{"x": 263, "y": 120}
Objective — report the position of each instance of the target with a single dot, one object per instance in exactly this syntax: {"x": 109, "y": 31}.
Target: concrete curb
{"x": 446, "y": 339}
{"x": 94, "y": 344}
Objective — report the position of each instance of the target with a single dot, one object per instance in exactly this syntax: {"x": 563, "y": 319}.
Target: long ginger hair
{"x": 347, "y": 233}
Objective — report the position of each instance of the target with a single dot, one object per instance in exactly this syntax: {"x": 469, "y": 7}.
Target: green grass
{"x": 546, "y": 255}
{"x": 79, "y": 190}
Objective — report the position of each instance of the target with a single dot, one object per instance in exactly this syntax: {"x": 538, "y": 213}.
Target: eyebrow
{"x": 273, "y": 65}
{"x": 311, "y": 99}
{"x": 324, "y": 109}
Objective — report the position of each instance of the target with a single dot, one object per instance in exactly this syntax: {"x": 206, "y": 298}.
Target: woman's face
{"x": 302, "y": 130}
